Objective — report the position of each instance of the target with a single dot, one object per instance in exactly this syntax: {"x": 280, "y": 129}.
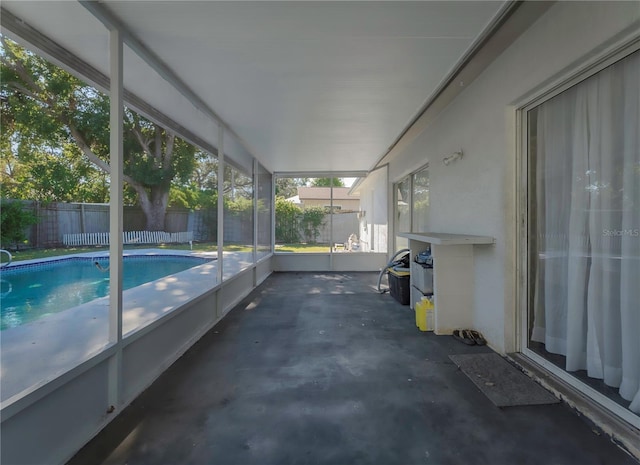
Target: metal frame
{"x": 331, "y": 239}
{"x": 320, "y": 174}
{"x": 394, "y": 210}
{"x": 413, "y": 175}
{"x": 273, "y": 213}
{"x": 255, "y": 216}
{"x": 221, "y": 163}
{"x": 116, "y": 217}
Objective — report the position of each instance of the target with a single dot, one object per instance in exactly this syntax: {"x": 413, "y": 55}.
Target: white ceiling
{"x": 307, "y": 86}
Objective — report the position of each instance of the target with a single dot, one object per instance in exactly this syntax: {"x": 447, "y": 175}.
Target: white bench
{"x": 129, "y": 237}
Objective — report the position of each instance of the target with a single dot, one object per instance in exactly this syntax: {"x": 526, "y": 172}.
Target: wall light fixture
{"x": 453, "y": 157}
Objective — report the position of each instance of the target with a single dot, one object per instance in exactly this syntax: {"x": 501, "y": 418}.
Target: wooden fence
{"x": 57, "y": 219}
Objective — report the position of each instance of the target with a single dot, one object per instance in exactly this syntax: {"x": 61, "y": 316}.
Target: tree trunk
{"x": 154, "y": 206}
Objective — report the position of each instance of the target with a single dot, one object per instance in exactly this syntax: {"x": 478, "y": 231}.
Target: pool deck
{"x": 36, "y": 353}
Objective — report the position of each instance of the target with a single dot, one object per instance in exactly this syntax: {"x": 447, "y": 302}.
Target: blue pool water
{"x": 32, "y": 291}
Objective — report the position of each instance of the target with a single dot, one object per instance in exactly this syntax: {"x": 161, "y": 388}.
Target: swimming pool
{"x": 33, "y": 290}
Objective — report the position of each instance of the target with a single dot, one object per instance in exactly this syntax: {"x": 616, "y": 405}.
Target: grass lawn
{"x": 197, "y": 246}
{"x": 305, "y": 248}
{"x": 46, "y": 253}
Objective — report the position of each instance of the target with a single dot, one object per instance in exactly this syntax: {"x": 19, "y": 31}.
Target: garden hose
{"x": 385, "y": 270}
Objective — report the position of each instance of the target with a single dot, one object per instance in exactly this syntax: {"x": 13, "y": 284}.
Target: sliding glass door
{"x": 583, "y": 237}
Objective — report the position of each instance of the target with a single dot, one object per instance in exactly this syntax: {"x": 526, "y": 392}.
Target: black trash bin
{"x": 399, "y": 284}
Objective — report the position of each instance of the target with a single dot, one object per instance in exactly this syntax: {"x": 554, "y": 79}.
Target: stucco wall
{"x": 476, "y": 195}
{"x": 373, "y": 205}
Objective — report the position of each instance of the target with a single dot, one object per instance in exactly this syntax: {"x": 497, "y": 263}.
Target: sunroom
{"x": 275, "y": 138}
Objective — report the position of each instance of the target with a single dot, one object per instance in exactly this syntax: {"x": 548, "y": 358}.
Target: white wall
{"x": 476, "y": 195}
{"x": 352, "y": 261}
{"x": 374, "y": 204}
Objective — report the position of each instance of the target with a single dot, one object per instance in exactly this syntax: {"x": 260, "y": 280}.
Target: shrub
{"x": 13, "y": 223}
{"x": 287, "y": 215}
{"x": 312, "y": 219}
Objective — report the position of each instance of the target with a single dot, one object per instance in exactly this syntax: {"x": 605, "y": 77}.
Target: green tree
{"x": 237, "y": 184}
{"x": 200, "y": 191}
{"x": 13, "y": 223}
{"x": 327, "y": 182}
{"x": 51, "y": 176}
{"x": 288, "y": 187}
{"x": 45, "y": 105}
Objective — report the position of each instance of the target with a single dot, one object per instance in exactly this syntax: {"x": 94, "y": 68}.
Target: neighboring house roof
{"x": 324, "y": 193}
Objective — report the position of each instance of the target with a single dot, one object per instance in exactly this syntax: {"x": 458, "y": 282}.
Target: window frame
{"x": 410, "y": 178}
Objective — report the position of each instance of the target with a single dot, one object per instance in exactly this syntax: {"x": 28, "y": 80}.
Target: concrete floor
{"x": 318, "y": 368}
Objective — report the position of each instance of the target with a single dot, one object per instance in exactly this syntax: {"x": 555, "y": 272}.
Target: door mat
{"x": 501, "y": 382}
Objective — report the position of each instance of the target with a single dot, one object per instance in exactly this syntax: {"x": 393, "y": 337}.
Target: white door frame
{"x": 605, "y": 58}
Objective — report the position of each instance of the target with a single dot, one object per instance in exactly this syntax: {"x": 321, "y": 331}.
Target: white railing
{"x": 129, "y": 237}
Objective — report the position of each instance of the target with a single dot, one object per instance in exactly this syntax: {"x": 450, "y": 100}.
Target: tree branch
{"x": 157, "y": 132}
{"x": 93, "y": 158}
{"x": 23, "y": 90}
{"x": 168, "y": 151}
{"x": 80, "y": 140}
{"x": 31, "y": 87}
{"x": 137, "y": 132}
{"x": 18, "y": 66}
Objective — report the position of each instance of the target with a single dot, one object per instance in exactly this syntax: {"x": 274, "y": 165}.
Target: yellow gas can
{"x": 424, "y": 314}
{"x": 421, "y": 314}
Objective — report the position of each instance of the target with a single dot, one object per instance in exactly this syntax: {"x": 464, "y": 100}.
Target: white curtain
{"x": 586, "y": 144}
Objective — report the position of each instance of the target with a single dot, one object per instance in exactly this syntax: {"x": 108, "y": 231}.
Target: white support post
{"x": 255, "y": 220}
{"x": 220, "y": 202}
{"x": 273, "y": 213}
{"x": 115, "y": 218}
{"x": 331, "y": 239}
{"x": 411, "y": 225}
{"x": 373, "y": 236}
{"x": 391, "y": 216}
